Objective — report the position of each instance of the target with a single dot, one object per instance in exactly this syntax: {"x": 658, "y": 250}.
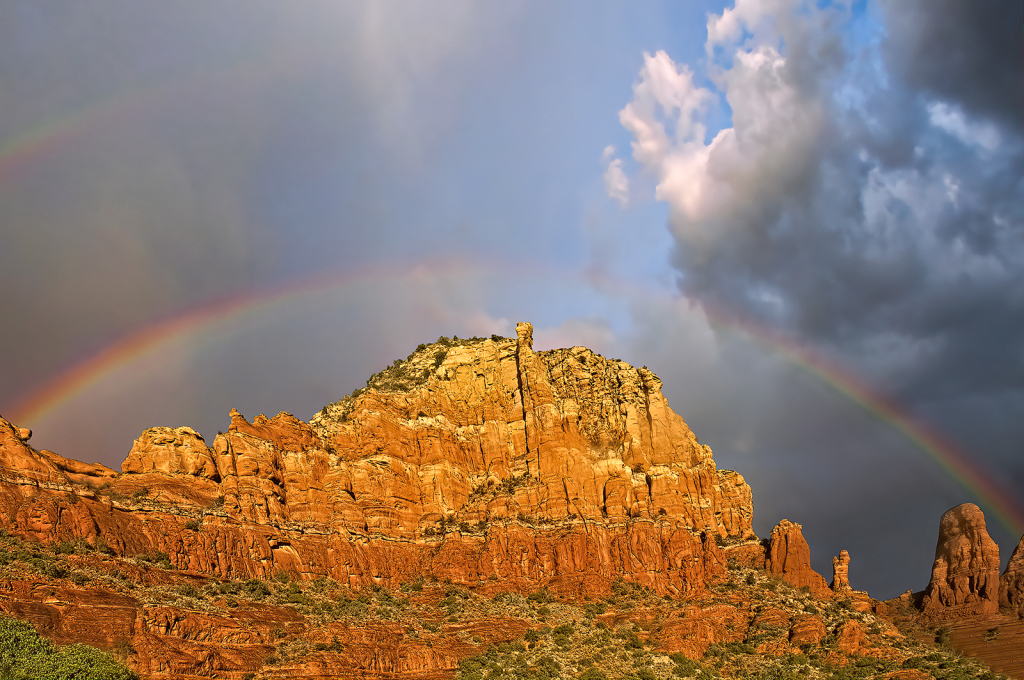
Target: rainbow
{"x": 954, "y": 462}
{"x": 231, "y": 310}
{"x": 77, "y": 379}
{"x": 244, "y": 71}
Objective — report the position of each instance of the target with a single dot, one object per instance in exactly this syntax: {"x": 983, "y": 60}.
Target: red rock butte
{"x": 471, "y": 459}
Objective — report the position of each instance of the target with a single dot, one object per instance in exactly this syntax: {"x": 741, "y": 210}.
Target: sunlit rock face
{"x": 1011, "y": 583}
{"x": 789, "y": 557}
{"x": 841, "y": 573}
{"x": 471, "y": 459}
{"x": 965, "y": 574}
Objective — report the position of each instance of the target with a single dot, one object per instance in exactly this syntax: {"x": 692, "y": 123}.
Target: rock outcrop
{"x": 841, "y": 573}
{"x": 469, "y": 460}
{"x": 965, "y": 574}
{"x": 1011, "y": 583}
{"x": 789, "y": 557}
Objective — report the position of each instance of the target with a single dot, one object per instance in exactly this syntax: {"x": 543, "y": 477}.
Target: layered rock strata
{"x": 470, "y": 460}
{"x": 965, "y": 574}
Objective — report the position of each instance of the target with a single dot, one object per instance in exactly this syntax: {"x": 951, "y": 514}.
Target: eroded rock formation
{"x": 789, "y": 557}
{"x": 965, "y": 574}
{"x": 1011, "y": 583}
{"x": 469, "y": 460}
{"x": 841, "y": 573}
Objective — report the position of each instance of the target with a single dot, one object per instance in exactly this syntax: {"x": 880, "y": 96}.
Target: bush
{"x": 23, "y": 654}
{"x": 257, "y": 590}
{"x": 192, "y": 525}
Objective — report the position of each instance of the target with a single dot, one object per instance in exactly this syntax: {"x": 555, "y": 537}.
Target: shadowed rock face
{"x": 789, "y": 557}
{"x": 469, "y": 460}
{"x": 1011, "y": 583}
{"x": 965, "y": 574}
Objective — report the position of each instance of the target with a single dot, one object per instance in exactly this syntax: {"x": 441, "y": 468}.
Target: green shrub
{"x": 23, "y": 654}
{"x": 192, "y": 525}
{"x": 257, "y": 590}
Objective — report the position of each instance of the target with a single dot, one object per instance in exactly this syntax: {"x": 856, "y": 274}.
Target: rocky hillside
{"x": 479, "y": 509}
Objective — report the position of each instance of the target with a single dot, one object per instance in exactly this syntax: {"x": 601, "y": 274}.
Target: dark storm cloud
{"x": 804, "y": 216}
{"x": 865, "y": 202}
{"x": 965, "y": 52}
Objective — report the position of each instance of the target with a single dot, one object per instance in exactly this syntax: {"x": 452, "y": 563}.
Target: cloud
{"x": 856, "y": 202}
{"x": 799, "y": 213}
{"x": 953, "y": 121}
{"x": 959, "y": 52}
{"x": 616, "y": 184}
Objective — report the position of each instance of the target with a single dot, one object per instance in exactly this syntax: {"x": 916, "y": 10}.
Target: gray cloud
{"x": 864, "y": 201}
{"x": 968, "y": 53}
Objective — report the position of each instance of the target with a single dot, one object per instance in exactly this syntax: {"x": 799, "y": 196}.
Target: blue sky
{"x": 846, "y": 177}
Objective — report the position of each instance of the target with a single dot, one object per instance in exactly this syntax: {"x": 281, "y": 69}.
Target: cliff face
{"x": 965, "y": 575}
{"x": 470, "y": 460}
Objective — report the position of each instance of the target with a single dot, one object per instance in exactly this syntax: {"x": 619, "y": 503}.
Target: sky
{"x": 805, "y": 217}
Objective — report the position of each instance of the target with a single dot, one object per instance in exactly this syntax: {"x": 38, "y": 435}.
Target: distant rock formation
{"x": 841, "y": 573}
{"x": 965, "y": 574}
{"x": 789, "y": 557}
{"x": 1011, "y": 583}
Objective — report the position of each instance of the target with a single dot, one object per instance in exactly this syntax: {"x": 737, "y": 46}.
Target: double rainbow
{"x": 147, "y": 341}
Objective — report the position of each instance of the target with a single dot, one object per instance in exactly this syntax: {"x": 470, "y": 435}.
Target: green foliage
{"x": 157, "y": 557}
{"x": 193, "y": 524}
{"x": 726, "y": 649}
{"x": 593, "y": 673}
{"x": 188, "y": 590}
{"x": 942, "y": 636}
{"x": 541, "y": 596}
{"x": 24, "y": 656}
{"x": 256, "y": 590}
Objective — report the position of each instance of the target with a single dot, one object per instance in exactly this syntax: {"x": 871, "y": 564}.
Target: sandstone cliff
{"x": 469, "y": 460}
{"x": 1011, "y": 583}
{"x": 965, "y": 575}
{"x": 789, "y": 557}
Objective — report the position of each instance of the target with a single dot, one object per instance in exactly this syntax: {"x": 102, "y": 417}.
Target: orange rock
{"x": 699, "y": 627}
{"x": 789, "y": 557}
{"x": 965, "y": 575}
{"x": 468, "y": 460}
{"x": 171, "y": 451}
{"x": 841, "y": 573}
{"x": 850, "y": 638}
{"x": 1011, "y": 583}
{"x": 807, "y": 629}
